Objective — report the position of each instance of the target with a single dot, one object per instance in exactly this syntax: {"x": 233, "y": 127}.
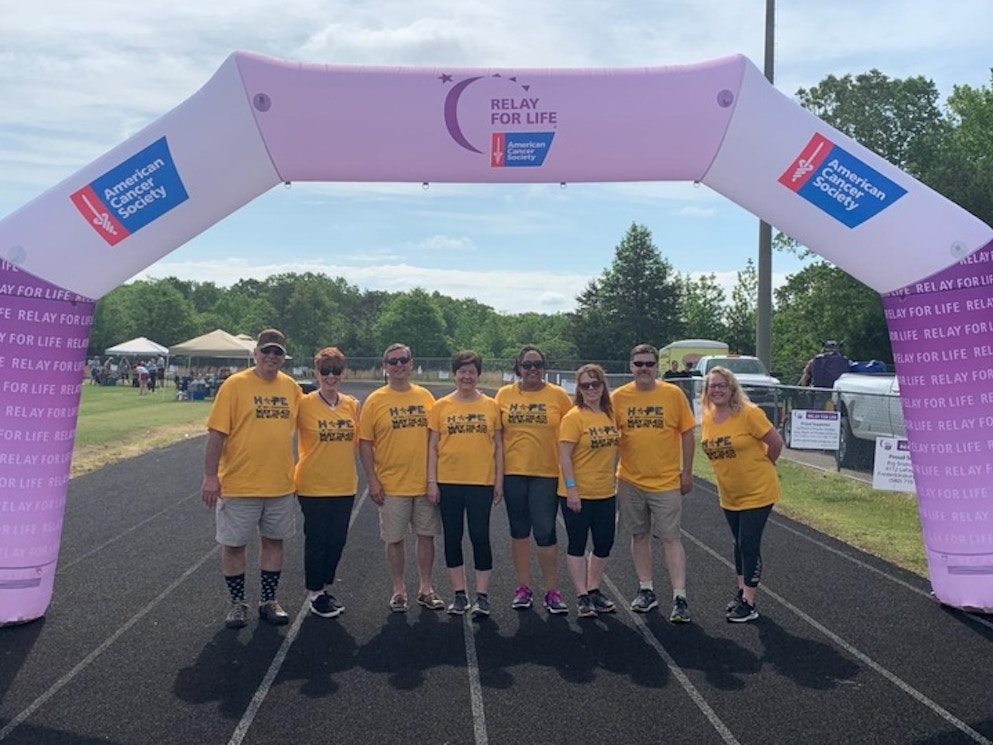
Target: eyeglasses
{"x": 273, "y": 349}
{"x": 336, "y": 371}
{"x": 591, "y": 385}
{"x": 397, "y": 360}
{"x": 643, "y": 363}
{"x": 533, "y": 365}
{"x": 717, "y": 386}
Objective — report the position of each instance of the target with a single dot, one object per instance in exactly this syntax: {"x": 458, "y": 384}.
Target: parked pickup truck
{"x": 869, "y": 404}
{"x": 762, "y": 387}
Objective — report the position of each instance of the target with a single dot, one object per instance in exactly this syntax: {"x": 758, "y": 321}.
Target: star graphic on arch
{"x": 445, "y": 78}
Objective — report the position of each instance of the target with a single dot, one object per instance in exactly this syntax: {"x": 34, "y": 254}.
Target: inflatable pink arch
{"x": 259, "y": 122}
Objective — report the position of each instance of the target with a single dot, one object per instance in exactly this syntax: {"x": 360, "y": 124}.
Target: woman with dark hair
{"x": 531, "y": 411}
{"x": 588, "y": 444}
{"x": 465, "y": 477}
{"x": 326, "y": 477}
{"x": 743, "y": 447}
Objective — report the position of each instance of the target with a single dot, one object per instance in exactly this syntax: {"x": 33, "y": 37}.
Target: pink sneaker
{"x": 554, "y": 603}
{"x": 522, "y": 598}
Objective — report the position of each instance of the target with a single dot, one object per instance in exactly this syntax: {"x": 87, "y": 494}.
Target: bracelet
{"x": 569, "y": 483}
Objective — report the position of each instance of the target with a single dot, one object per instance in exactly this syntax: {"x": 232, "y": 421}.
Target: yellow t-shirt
{"x": 530, "y": 428}
{"x": 327, "y": 439}
{"x": 746, "y": 477}
{"x": 259, "y": 418}
{"x": 651, "y": 425}
{"x": 396, "y": 423}
{"x": 465, "y": 439}
{"x": 594, "y": 457}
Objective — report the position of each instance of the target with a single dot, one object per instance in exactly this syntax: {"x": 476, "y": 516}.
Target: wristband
{"x": 569, "y": 483}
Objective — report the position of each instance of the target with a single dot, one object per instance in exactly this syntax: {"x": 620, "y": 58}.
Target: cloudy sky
{"x": 79, "y": 78}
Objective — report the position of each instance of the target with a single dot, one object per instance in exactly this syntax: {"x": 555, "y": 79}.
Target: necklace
{"x": 331, "y": 405}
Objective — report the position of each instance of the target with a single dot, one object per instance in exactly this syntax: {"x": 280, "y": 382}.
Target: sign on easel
{"x": 814, "y": 429}
{"x": 892, "y": 470}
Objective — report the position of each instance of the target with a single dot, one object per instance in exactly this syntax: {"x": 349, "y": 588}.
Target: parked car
{"x": 870, "y": 407}
{"x": 761, "y": 386}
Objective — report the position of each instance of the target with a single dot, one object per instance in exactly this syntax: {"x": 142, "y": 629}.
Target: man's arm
{"x": 210, "y": 490}
{"x": 367, "y": 458}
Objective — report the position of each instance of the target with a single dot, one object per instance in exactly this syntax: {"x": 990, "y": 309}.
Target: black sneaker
{"x": 601, "y": 603}
{"x": 237, "y": 616}
{"x": 326, "y": 606}
{"x": 337, "y": 608}
{"x": 460, "y": 604}
{"x": 743, "y": 612}
{"x": 733, "y": 603}
{"x": 481, "y": 608}
{"x": 585, "y": 607}
{"x": 271, "y": 612}
{"x": 644, "y": 601}
{"x": 680, "y": 611}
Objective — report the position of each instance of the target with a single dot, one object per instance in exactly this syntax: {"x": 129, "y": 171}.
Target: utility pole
{"x": 763, "y": 311}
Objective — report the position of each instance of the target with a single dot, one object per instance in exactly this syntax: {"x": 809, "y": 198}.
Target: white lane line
{"x": 677, "y": 672}
{"x": 102, "y": 546}
{"x": 863, "y": 565}
{"x": 86, "y": 661}
{"x": 475, "y": 685}
{"x": 858, "y": 654}
{"x": 277, "y": 662}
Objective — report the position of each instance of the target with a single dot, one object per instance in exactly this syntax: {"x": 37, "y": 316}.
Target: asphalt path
{"x": 848, "y": 649}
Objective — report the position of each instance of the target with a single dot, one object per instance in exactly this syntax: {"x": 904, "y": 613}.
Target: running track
{"x": 849, "y": 649}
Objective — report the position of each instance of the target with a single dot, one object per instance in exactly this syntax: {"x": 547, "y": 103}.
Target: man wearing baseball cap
{"x": 248, "y": 473}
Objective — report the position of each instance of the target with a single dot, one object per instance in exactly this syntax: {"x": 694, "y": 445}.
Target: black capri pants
{"x": 325, "y": 530}
{"x": 746, "y": 527}
{"x": 597, "y": 519}
{"x": 531, "y": 506}
{"x": 466, "y": 503}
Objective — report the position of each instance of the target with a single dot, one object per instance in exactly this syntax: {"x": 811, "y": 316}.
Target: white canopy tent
{"x": 140, "y": 347}
{"x": 218, "y": 343}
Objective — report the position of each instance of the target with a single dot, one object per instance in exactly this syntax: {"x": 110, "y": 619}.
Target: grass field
{"x": 116, "y": 423}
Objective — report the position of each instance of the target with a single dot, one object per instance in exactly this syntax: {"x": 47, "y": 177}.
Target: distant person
{"x": 673, "y": 371}
{"x": 654, "y": 474}
{"x": 153, "y": 374}
{"x": 248, "y": 474}
{"x": 588, "y": 440}
{"x": 531, "y": 411}
{"x": 824, "y": 369}
{"x": 124, "y": 371}
{"x": 326, "y": 477}
{"x": 393, "y": 446}
{"x": 743, "y": 448}
{"x": 141, "y": 372}
{"x": 465, "y": 478}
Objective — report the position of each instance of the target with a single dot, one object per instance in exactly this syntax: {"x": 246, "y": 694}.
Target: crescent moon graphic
{"x": 452, "y": 114}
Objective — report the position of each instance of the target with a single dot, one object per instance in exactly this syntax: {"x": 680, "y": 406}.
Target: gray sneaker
{"x": 272, "y": 613}
{"x": 584, "y": 607}
{"x": 680, "y": 611}
{"x": 601, "y": 603}
{"x": 481, "y": 608}
{"x": 460, "y": 604}
{"x": 237, "y": 617}
{"x": 644, "y": 601}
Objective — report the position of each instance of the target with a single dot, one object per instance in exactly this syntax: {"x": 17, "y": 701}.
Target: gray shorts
{"x": 240, "y": 519}
{"x": 647, "y": 511}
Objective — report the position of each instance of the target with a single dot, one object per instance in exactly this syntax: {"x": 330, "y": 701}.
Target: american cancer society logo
{"x": 839, "y": 183}
{"x": 503, "y": 114}
{"x": 131, "y": 195}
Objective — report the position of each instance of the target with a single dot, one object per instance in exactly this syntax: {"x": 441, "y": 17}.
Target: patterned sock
{"x": 236, "y": 587}
{"x": 270, "y": 581}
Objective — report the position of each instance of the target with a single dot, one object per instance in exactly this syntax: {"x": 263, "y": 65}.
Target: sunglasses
{"x": 642, "y": 363}
{"x": 533, "y": 365}
{"x": 273, "y": 349}
{"x": 397, "y": 360}
{"x": 591, "y": 385}
{"x": 336, "y": 371}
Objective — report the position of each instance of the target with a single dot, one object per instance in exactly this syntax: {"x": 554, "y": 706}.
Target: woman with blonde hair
{"x": 743, "y": 446}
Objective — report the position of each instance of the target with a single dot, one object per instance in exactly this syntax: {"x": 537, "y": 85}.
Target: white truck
{"x": 762, "y": 387}
{"x": 870, "y": 407}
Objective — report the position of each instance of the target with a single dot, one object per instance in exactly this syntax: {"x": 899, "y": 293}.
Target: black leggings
{"x": 466, "y": 503}
{"x": 325, "y": 530}
{"x": 597, "y": 519}
{"x": 746, "y": 527}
